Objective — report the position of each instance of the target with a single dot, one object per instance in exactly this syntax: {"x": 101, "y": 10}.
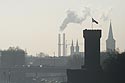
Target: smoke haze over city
{"x": 32, "y": 24}
{"x": 62, "y": 41}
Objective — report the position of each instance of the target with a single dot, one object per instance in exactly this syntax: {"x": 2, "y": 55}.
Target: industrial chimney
{"x": 64, "y": 45}
{"x": 59, "y": 45}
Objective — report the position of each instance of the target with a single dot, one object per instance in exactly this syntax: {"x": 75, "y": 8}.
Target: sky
{"x": 34, "y": 24}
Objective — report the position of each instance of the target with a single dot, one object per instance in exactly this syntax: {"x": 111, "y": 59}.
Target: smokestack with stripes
{"x": 64, "y": 45}
{"x": 59, "y": 45}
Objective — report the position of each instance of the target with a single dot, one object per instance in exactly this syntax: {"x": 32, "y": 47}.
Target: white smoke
{"x": 73, "y": 17}
{"x": 106, "y": 15}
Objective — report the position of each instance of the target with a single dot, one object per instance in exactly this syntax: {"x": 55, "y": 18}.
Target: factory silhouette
{"x": 79, "y": 67}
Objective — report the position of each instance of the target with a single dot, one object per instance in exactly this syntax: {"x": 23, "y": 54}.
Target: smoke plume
{"x": 106, "y": 15}
{"x": 73, "y": 17}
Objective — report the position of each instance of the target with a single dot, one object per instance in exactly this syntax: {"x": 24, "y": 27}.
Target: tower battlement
{"x": 92, "y": 48}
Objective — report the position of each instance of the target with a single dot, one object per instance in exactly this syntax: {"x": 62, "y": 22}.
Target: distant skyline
{"x": 34, "y": 24}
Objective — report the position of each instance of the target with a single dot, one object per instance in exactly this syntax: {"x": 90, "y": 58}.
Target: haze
{"x": 34, "y": 24}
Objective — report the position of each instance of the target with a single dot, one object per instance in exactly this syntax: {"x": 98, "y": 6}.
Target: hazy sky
{"x": 34, "y": 24}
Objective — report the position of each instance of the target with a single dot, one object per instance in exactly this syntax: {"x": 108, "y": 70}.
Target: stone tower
{"x": 92, "y": 49}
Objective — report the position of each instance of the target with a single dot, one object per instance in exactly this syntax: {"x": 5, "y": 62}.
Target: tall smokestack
{"x": 64, "y": 45}
{"x": 59, "y": 45}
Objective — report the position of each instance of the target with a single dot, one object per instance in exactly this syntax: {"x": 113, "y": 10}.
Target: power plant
{"x": 64, "y": 45}
{"x": 61, "y": 44}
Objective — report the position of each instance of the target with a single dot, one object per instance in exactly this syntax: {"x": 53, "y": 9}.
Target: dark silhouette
{"x": 92, "y": 49}
{"x": 91, "y": 71}
{"x": 114, "y": 68}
